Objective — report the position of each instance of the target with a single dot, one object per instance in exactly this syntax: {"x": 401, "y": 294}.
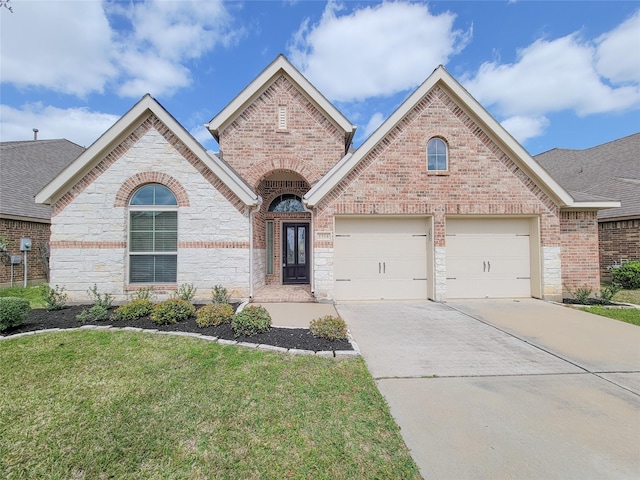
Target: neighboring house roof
{"x": 278, "y": 67}
{"x": 140, "y": 111}
{"x": 25, "y": 168}
{"x": 609, "y": 170}
{"x": 440, "y": 77}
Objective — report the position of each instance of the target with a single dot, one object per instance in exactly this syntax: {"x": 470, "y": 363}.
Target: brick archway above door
{"x": 262, "y": 170}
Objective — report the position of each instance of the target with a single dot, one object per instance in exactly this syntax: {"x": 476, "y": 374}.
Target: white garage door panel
{"x": 488, "y": 258}
{"x": 383, "y": 258}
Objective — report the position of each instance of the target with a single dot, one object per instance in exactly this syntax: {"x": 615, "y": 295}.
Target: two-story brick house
{"x": 440, "y": 202}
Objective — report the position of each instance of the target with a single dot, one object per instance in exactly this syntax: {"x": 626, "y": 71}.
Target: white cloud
{"x": 72, "y": 48}
{"x": 550, "y": 76}
{"x": 64, "y": 46}
{"x": 524, "y": 128}
{"x": 79, "y": 125}
{"x": 202, "y": 135}
{"x": 379, "y": 50}
{"x": 618, "y": 52}
{"x": 374, "y": 122}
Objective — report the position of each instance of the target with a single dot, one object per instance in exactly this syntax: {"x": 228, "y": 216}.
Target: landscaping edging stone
{"x": 292, "y": 351}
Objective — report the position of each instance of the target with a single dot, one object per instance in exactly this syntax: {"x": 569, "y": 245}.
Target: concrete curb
{"x": 292, "y": 351}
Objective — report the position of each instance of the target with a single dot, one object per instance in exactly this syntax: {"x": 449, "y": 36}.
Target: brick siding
{"x": 254, "y": 146}
{"x": 619, "y": 242}
{"x": 580, "y": 256}
{"x": 13, "y": 231}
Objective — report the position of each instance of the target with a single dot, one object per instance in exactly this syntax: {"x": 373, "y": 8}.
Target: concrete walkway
{"x": 504, "y": 389}
{"x": 296, "y": 314}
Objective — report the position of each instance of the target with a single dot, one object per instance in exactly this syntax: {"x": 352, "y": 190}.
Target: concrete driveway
{"x": 506, "y": 389}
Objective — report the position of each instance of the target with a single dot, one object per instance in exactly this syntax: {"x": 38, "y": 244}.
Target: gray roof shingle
{"x": 25, "y": 168}
{"x": 610, "y": 170}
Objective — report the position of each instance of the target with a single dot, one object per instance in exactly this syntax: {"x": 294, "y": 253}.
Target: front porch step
{"x": 283, "y": 293}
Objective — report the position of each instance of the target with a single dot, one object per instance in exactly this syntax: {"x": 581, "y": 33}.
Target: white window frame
{"x": 446, "y": 155}
{"x": 150, "y": 208}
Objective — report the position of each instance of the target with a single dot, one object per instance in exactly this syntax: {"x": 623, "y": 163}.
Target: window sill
{"x": 132, "y": 287}
{"x": 439, "y": 173}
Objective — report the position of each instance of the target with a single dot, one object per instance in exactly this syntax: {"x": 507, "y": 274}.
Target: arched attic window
{"x": 286, "y": 202}
{"x": 437, "y": 155}
{"x": 153, "y": 235}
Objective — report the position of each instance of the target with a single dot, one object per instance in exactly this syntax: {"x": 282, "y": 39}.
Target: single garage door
{"x": 488, "y": 258}
{"x": 380, "y": 258}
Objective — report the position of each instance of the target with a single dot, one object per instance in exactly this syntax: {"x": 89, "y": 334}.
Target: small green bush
{"x": 329, "y": 327}
{"x": 186, "y": 291}
{"x": 102, "y": 299}
{"x": 627, "y": 275}
{"x": 214, "y": 314}
{"x": 172, "y": 310}
{"x": 251, "y": 321}
{"x": 607, "y": 293}
{"x": 145, "y": 293}
{"x": 581, "y": 294}
{"x": 219, "y": 294}
{"x": 96, "y": 313}
{"x": 13, "y": 312}
{"x": 54, "y": 298}
{"x": 133, "y": 310}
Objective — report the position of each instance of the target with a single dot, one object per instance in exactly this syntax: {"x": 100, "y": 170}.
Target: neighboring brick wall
{"x": 481, "y": 180}
{"x": 13, "y": 231}
{"x": 89, "y": 230}
{"x": 619, "y": 241}
{"x": 580, "y": 256}
{"x": 254, "y": 146}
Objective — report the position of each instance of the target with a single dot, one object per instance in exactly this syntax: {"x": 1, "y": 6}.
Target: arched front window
{"x": 153, "y": 235}
{"x": 286, "y": 203}
{"x": 437, "y": 155}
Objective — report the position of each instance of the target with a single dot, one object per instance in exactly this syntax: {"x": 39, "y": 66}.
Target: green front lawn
{"x": 129, "y": 405}
{"x": 628, "y": 296}
{"x": 629, "y": 315}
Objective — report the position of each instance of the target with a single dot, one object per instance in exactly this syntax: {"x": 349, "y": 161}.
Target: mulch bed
{"x": 298, "y": 338}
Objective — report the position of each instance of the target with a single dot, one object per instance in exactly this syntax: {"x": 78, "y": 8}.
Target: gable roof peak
{"x": 279, "y": 65}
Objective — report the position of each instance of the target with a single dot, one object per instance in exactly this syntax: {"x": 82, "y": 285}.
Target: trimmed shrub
{"x": 13, "y": 312}
{"x": 172, "y": 310}
{"x": 94, "y": 314}
{"x": 627, "y": 275}
{"x": 133, "y": 310}
{"x": 219, "y": 294}
{"x": 54, "y": 298}
{"x": 329, "y": 327}
{"x": 214, "y": 314}
{"x": 145, "y": 293}
{"x": 102, "y": 299}
{"x": 186, "y": 291}
{"x": 607, "y": 293}
{"x": 251, "y": 321}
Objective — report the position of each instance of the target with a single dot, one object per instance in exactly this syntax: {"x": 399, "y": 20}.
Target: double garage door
{"x": 388, "y": 258}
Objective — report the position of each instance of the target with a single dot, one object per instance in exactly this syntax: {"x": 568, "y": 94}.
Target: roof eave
{"x": 58, "y": 186}
{"x": 602, "y": 205}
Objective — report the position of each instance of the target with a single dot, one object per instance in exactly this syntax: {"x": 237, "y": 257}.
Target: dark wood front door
{"x": 295, "y": 253}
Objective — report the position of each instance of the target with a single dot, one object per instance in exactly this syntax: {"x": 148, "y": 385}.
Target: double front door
{"x": 295, "y": 253}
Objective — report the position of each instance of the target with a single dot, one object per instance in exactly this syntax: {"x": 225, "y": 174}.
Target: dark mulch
{"x": 589, "y": 301}
{"x": 299, "y": 338}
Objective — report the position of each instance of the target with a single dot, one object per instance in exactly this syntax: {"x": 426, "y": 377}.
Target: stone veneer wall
{"x": 89, "y": 225}
{"x": 619, "y": 242}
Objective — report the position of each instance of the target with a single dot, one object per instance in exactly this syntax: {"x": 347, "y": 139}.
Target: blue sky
{"x": 554, "y": 73}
